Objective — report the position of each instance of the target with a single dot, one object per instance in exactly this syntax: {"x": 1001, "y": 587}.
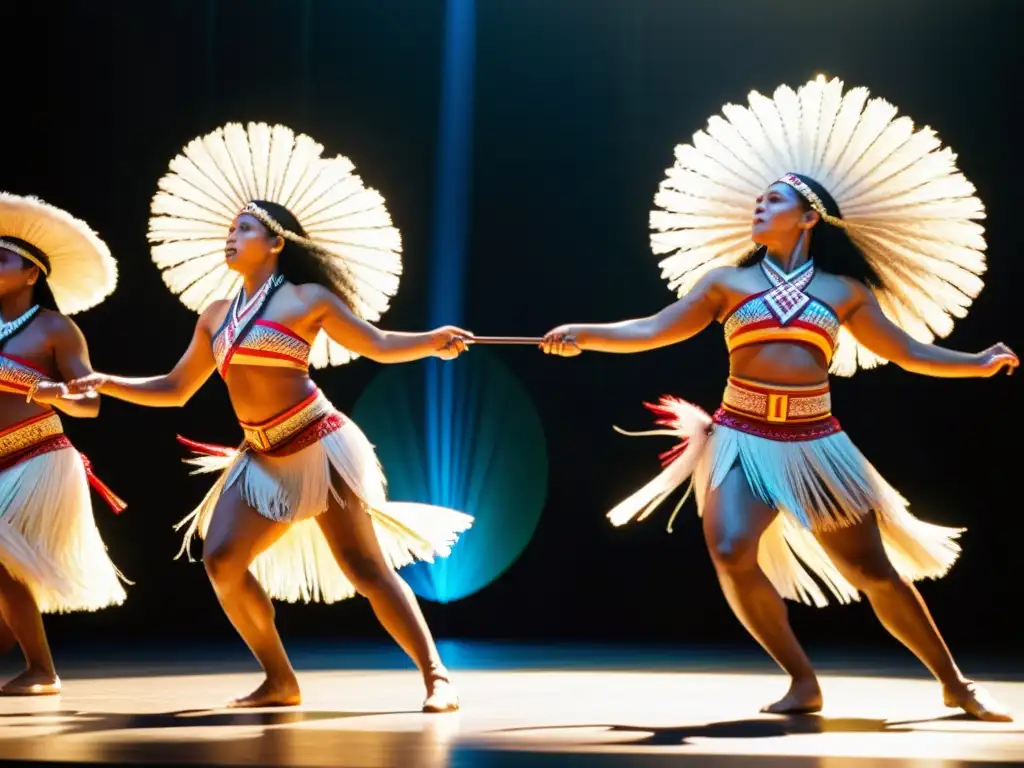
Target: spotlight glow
{"x": 485, "y": 456}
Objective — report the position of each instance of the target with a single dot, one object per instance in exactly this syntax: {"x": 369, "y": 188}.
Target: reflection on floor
{"x": 538, "y": 706}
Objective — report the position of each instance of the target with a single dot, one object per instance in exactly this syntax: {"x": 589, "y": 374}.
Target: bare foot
{"x": 441, "y": 694}
{"x": 282, "y": 693}
{"x": 803, "y": 697}
{"x": 976, "y": 702}
{"x": 32, "y": 682}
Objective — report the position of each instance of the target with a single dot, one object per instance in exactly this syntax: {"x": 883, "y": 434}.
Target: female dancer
{"x": 872, "y": 245}
{"x": 52, "y": 559}
{"x": 300, "y": 510}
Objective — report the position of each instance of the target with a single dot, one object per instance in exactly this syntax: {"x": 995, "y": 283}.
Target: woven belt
{"x": 777, "y": 404}
{"x": 278, "y": 430}
{"x": 29, "y": 433}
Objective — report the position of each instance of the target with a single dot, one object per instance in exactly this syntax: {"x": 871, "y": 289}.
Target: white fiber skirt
{"x": 48, "y": 536}
{"x": 296, "y": 488}
{"x": 815, "y": 485}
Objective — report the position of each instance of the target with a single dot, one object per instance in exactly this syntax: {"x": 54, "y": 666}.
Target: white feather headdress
{"x": 218, "y": 174}
{"x": 903, "y": 201}
{"x": 82, "y": 273}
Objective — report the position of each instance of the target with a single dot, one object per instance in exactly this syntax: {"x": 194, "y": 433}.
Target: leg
{"x": 349, "y": 532}
{"x": 860, "y": 556}
{"x": 734, "y": 520}
{"x": 21, "y": 614}
{"x": 237, "y": 535}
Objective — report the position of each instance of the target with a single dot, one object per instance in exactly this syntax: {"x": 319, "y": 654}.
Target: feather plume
{"x": 82, "y": 271}
{"x": 216, "y": 175}
{"x": 903, "y": 201}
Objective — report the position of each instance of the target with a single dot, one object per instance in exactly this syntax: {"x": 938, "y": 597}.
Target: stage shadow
{"x": 240, "y": 738}
{"x": 752, "y": 728}
{"x": 95, "y": 722}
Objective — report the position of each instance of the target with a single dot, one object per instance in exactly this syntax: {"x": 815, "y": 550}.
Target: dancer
{"x": 300, "y": 511}
{"x": 52, "y": 559}
{"x": 864, "y": 246}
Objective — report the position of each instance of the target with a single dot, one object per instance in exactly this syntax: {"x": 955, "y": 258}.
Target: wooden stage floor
{"x": 556, "y": 706}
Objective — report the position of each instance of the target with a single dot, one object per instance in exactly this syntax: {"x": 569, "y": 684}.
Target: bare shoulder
{"x": 308, "y": 293}
{"x": 58, "y": 325}
{"x": 317, "y": 299}
{"x": 218, "y": 307}
{"x": 844, "y": 294}
{"x": 214, "y": 315}
{"x": 720, "y": 276}
{"x": 720, "y": 280}
{"x": 734, "y": 282}
{"x": 840, "y": 282}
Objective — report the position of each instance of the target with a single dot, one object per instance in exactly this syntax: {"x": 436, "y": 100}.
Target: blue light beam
{"x": 448, "y": 251}
{"x": 448, "y": 257}
{"x": 454, "y": 159}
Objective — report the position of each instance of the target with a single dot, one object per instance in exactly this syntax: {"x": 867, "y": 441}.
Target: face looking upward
{"x": 250, "y": 244}
{"x": 781, "y": 217}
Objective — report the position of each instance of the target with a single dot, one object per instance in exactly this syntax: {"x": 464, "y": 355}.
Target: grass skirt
{"x": 295, "y": 488}
{"x": 48, "y": 537}
{"x": 815, "y": 484}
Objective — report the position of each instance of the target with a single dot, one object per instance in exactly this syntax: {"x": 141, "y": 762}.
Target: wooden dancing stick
{"x": 506, "y": 340}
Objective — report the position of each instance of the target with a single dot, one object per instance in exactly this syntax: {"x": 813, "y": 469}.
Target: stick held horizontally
{"x": 508, "y": 340}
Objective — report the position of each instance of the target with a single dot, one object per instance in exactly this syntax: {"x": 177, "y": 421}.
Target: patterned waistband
{"x": 314, "y": 414}
{"x": 784, "y": 414}
{"x": 782, "y": 432}
{"x": 29, "y": 434}
{"x": 775, "y": 404}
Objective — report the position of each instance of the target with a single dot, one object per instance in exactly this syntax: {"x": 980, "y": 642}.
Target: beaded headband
{"x": 25, "y": 254}
{"x": 811, "y": 197}
{"x": 274, "y": 226}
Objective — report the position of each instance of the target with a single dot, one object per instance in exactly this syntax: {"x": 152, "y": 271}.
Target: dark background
{"x": 578, "y": 106}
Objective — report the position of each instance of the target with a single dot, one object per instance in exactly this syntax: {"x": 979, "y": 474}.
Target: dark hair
{"x": 41, "y": 293}
{"x": 831, "y": 247}
{"x": 299, "y": 265}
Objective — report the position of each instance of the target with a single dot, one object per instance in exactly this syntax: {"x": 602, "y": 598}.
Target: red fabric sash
{"x": 304, "y": 438}
{"x": 59, "y": 442}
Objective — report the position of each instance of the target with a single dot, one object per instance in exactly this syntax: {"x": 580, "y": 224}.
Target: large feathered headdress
{"x": 218, "y": 175}
{"x": 901, "y": 197}
{"x": 77, "y": 264}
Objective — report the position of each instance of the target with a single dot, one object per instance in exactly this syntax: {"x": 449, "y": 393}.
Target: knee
{"x": 223, "y": 565}
{"x": 368, "y": 576}
{"x": 872, "y": 575}
{"x": 733, "y": 552}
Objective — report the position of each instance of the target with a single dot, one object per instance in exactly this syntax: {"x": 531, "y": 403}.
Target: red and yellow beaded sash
{"x": 777, "y": 412}
{"x": 43, "y": 434}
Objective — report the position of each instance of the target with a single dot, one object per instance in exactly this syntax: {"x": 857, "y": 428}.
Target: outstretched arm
{"x": 170, "y": 390}
{"x": 874, "y": 330}
{"x": 676, "y": 322}
{"x": 366, "y": 340}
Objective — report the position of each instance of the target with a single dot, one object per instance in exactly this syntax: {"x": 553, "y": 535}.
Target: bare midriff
{"x": 779, "y": 363}
{"x": 259, "y": 394}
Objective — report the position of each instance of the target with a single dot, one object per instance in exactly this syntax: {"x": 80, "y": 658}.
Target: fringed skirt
{"x": 48, "y": 537}
{"x": 797, "y": 460}
{"x": 286, "y": 471}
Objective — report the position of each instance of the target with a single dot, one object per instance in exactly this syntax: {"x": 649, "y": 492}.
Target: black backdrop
{"x": 578, "y": 106}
